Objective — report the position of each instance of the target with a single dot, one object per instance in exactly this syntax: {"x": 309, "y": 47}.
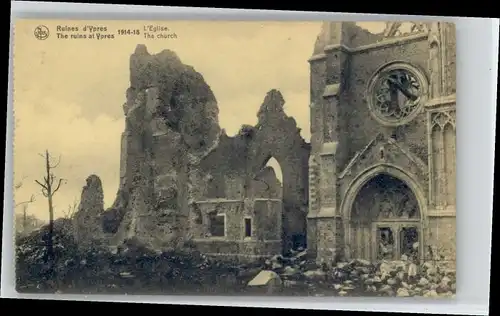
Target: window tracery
{"x": 395, "y": 94}
{"x": 383, "y": 198}
{"x": 443, "y": 138}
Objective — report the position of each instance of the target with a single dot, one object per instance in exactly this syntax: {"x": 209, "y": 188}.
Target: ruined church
{"x": 379, "y": 170}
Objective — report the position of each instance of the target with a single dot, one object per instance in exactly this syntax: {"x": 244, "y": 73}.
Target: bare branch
{"x": 70, "y": 213}
{"x": 21, "y": 203}
{"x": 51, "y": 179}
{"x": 57, "y": 164}
{"x": 72, "y": 208}
{"x": 42, "y": 155}
{"x": 31, "y": 200}
{"x": 42, "y": 185}
{"x": 20, "y": 183}
{"x": 58, "y": 186}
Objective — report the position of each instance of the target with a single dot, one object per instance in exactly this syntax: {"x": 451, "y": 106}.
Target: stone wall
{"x": 176, "y": 161}
{"x": 264, "y": 214}
{"x": 442, "y": 235}
{"x": 86, "y": 221}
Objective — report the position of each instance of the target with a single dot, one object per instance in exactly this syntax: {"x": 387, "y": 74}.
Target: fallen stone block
{"x": 268, "y": 281}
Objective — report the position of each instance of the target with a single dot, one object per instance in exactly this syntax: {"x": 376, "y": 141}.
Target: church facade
{"x": 382, "y": 164}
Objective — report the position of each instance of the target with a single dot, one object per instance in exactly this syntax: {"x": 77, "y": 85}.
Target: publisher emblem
{"x": 41, "y": 32}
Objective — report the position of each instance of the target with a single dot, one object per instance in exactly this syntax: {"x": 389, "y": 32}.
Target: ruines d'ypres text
{"x": 83, "y": 32}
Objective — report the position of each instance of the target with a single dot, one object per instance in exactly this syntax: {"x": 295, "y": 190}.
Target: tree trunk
{"x": 50, "y": 245}
{"x": 25, "y": 219}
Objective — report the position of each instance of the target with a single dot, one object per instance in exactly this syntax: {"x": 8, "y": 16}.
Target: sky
{"x": 68, "y": 93}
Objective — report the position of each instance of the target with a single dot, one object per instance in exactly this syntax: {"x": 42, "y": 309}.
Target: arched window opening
{"x": 273, "y": 163}
{"x": 269, "y": 180}
{"x": 385, "y": 220}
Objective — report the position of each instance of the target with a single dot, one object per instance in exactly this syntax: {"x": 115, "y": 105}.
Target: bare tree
{"x": 49, "y": 187}
{"x": 31, "y": 200}
{"x": 72, "y": 208}
{"x": 25, "y": 204}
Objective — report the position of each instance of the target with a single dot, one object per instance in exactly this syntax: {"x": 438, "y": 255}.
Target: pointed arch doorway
{"x": 385, "y": 220}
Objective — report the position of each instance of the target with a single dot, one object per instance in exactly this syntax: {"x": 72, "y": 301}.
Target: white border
{"x": 477, "y": 62}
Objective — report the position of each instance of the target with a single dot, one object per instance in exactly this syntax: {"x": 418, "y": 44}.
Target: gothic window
{"x": 443, "y": 137}
{"x": 395, "y": 94}
{"x": 437, "y": 164}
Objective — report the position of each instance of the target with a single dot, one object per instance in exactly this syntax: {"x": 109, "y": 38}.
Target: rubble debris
{"x": 359, "y": 277}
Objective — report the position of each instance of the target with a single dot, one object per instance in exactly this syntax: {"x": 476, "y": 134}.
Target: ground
{"x": 133, "y": 269}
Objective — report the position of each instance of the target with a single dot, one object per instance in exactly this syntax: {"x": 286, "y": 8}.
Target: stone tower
{"x": 354, "y": 144}
{"x": 330, "y": 66}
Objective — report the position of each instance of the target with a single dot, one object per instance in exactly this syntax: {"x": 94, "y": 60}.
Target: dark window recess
{"x": 386, "y": 243}
{"x": 248, "y": 227}
{"x": 409, "y": 242}
{"x": 217, "y": 225}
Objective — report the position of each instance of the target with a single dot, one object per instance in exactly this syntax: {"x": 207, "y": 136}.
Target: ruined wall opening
{"x": 268, "y": 180}
{"x": 269, "y": 185}
{"x": 385, "y": 221}
{"x": 275, "y": 165}
{"x": 216, "y": 224}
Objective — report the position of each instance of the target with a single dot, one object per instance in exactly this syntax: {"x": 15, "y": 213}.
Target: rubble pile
{"x": 357, "y": 277}
{"x": 394, "y": 278}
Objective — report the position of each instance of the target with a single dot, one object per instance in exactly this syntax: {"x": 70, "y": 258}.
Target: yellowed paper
{"x": 244, "y": 158}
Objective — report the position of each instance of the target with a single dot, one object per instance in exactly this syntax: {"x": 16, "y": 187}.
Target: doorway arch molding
{"x": 369, "y": 173}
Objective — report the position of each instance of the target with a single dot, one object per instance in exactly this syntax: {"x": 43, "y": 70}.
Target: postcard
{"x": 235, "y": 158}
